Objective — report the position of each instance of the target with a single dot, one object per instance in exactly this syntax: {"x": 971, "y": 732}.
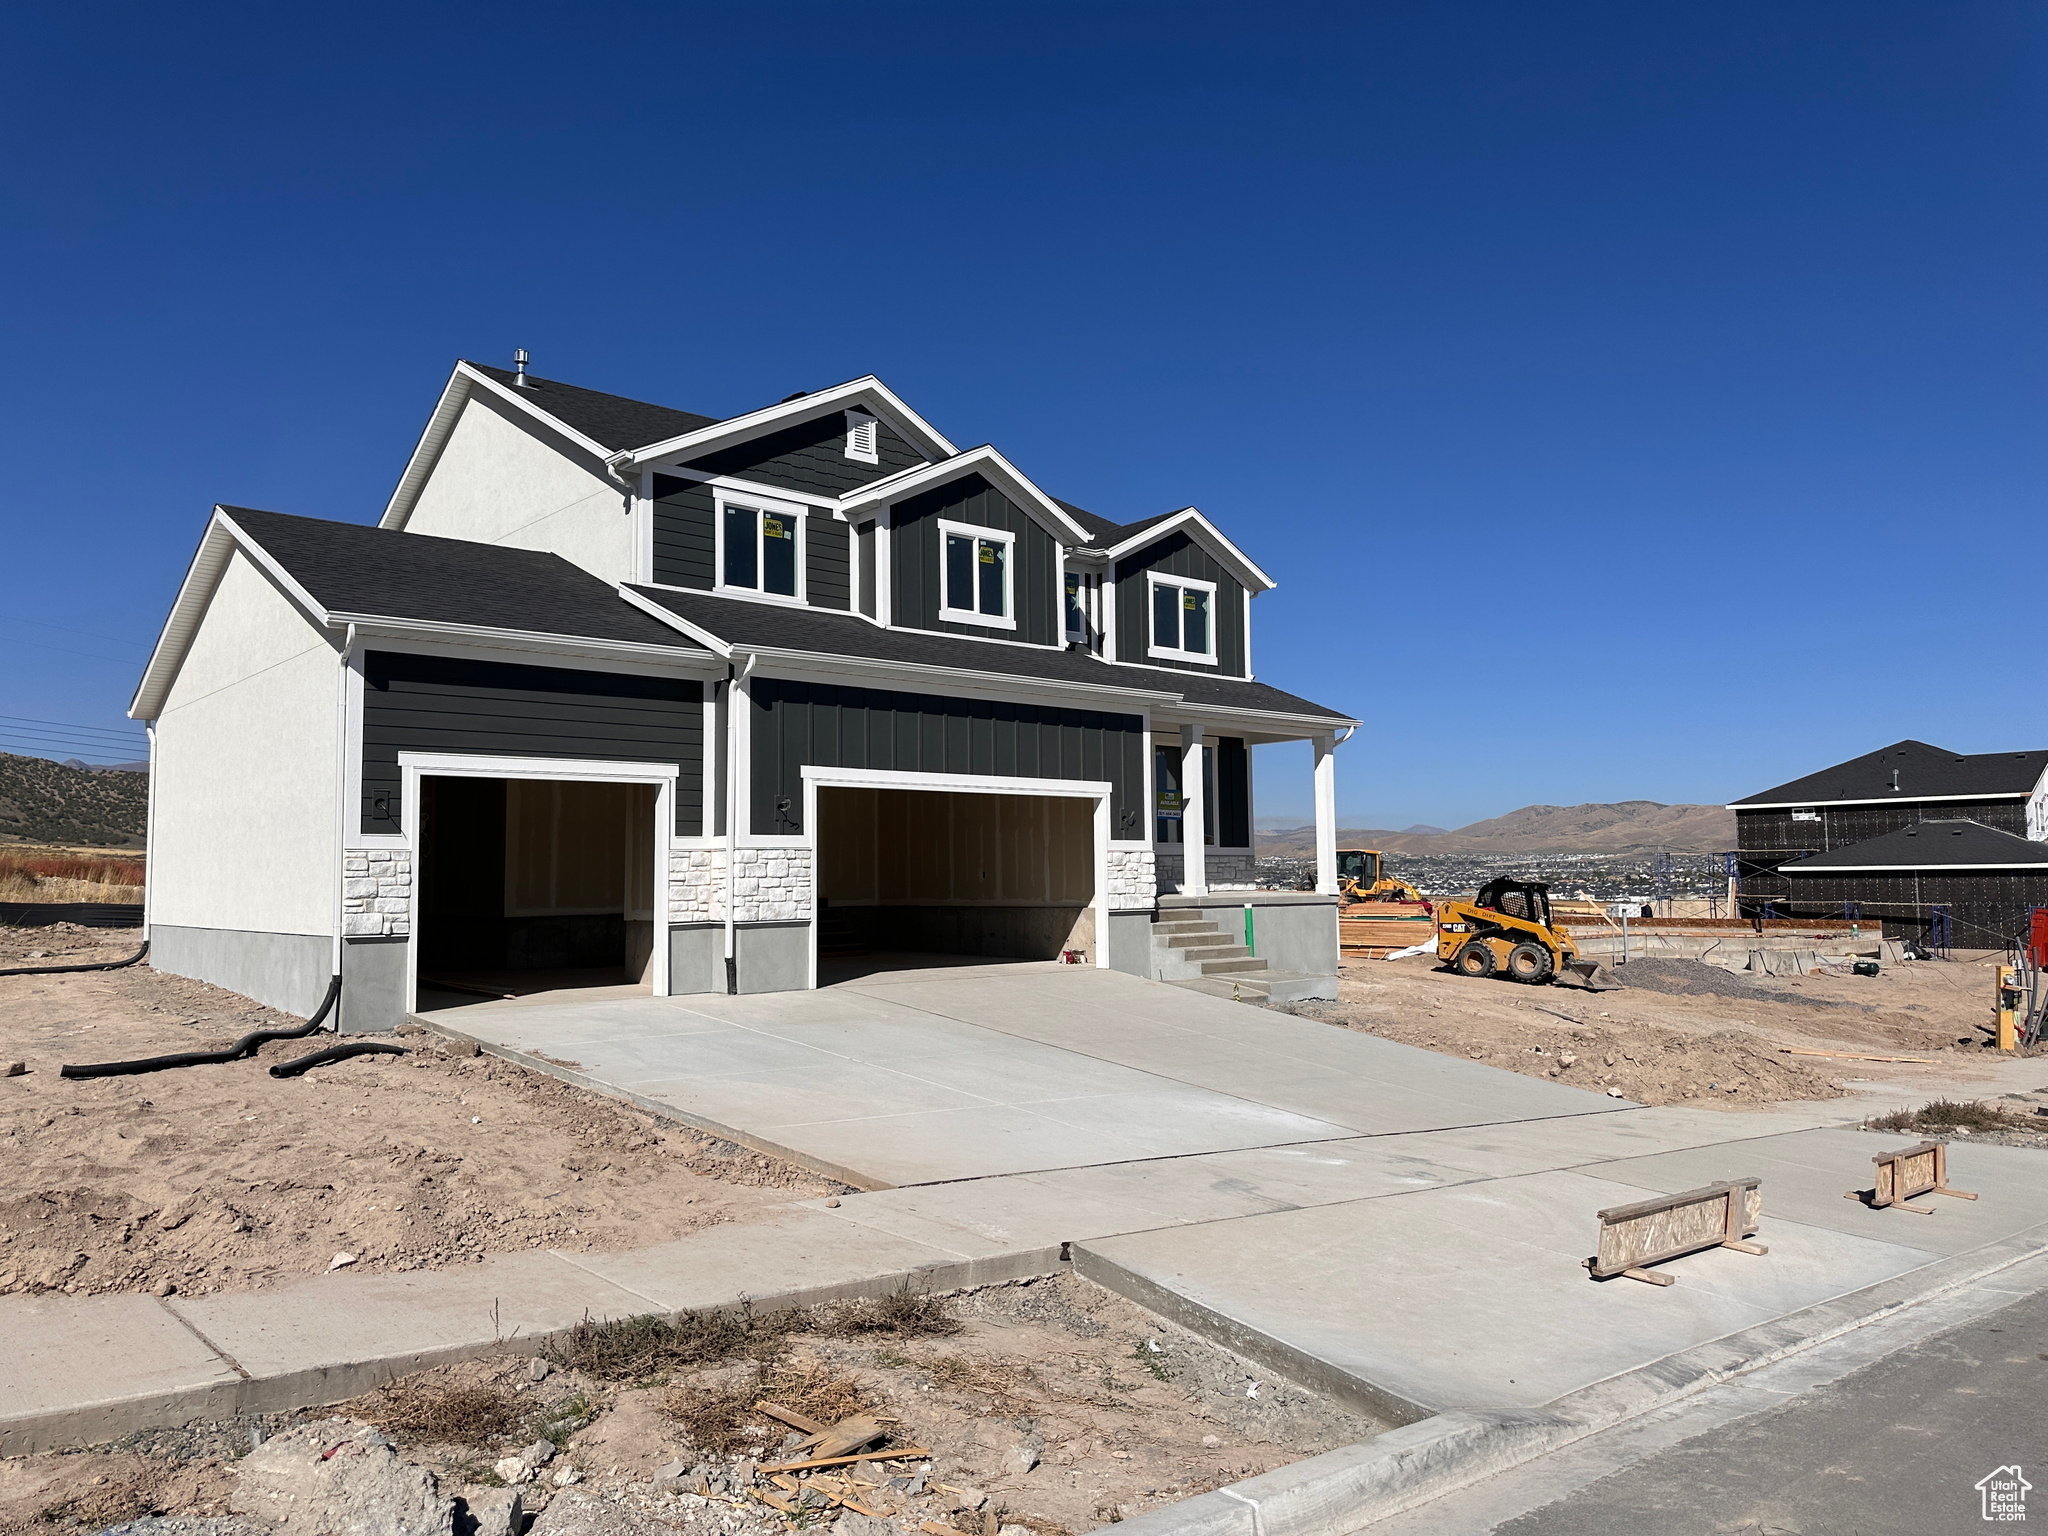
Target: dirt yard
{"x": 215, "y": 1178}
{"x": 1682, "y": 1032}
{"x": 1051, "y": 1405}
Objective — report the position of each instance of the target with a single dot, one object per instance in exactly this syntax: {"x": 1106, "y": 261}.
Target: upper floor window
{"x": 860, "y": 437}
{"x": 761, "y": 547}
{"x": 1077, "y": 606}
{"x": 1183, "y": 618}
{"x": 978, "y": 571}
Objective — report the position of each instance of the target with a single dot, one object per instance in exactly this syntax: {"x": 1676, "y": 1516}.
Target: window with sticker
{"x": 761, "y": 549}
{"x": 977, "y": 572}
{"x": 1183, "y": 618}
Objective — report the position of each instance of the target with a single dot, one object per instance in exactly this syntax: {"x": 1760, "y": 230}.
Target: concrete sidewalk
{"x": 1417, "y": 1251}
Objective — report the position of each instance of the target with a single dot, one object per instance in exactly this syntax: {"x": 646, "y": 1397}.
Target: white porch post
{"x": 1326, "y": 815}
{"x": 1194, "y": 868}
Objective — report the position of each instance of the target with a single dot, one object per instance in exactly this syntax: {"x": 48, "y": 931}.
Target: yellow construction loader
{"x": 1362, "y": 876}
{"x": 1508, "y": 931}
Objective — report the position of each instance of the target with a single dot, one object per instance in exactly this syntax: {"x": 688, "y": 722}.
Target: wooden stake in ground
{"x": 1915, "y": 1061}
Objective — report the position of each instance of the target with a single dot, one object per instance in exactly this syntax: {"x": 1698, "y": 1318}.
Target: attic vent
{"x": 860, "y": 437}
{"x": 519, "y": 368}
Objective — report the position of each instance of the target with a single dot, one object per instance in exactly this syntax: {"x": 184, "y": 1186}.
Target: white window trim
{"x": 971, "y": 616}
{"x": 854, "y": 421}
{"x": 1152, "y": 646}
{"x": 795, "y": 510}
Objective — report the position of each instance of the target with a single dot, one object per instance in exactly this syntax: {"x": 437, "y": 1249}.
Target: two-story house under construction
{"x": 619, "y": 692}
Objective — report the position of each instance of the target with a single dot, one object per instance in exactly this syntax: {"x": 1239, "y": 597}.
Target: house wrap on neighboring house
{"x": 1926, "y": 841}
{"x": 501, "y": 731}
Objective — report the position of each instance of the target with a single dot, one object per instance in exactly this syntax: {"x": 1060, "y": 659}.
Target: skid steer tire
{"x": 1475, "y": 959}
{"x": 1529, "y": 963}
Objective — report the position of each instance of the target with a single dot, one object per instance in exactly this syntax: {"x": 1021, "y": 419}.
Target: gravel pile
{"x": 1693, "y": 978}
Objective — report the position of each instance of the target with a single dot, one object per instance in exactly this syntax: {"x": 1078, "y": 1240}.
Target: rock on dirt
{"x": 190, "y": 1525}
{"x": 489, "y": 1512}
{"x": 335, "y": 1477}
{"x": 579, "y": 1514}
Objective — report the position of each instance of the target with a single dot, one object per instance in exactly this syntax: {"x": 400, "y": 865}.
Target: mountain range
{"x": 1628, "y": 826}
{"x": 46, "y": 802}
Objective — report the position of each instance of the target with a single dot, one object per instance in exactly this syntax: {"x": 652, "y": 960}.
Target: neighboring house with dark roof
{"x": 497, "y": 734}
{"x": 1857, "y": 838}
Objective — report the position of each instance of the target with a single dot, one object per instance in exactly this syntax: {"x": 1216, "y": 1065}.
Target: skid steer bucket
{"x": 1588, "y": 974}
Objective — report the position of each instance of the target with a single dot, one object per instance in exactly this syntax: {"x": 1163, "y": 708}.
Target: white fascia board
{"x": 1895, "y": 869}
{"x": 1261, "y": 719}
{"x": 899, "y": 674}
{"x": 991, "y": 466}
{"x": 1211, "y": 535}
{"x": 869, "y": 391}
{"x": 383, "y": 627}
{"x": 1821, "y": 805}
{"x": 681, "y": 625}
{"x": 195, "y": 594}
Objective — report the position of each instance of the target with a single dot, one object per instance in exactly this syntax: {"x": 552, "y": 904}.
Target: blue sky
{"x": 1631, "y": 401}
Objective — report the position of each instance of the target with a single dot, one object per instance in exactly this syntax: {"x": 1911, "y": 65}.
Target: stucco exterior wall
{"x": 502, "y": 481}
{"x": 244, "y": 836}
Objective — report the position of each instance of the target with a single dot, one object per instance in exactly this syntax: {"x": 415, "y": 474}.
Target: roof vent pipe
{"x": 519, "y": 368}
{"x": 1895, "y": 781}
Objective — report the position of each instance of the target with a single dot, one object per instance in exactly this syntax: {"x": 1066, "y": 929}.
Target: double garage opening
{"x": 533, "y": 885}
{"x": 908, "y": 873}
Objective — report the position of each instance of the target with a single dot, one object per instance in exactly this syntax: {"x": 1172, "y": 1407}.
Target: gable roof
{"x": 611, "y": 421}
{"x": 1924, "y": 773}
{"x": 347, "y": 573}
{"x": 866, "y": 393}
{"x": 1958, "y": 844}
{"x": 729, "y": 624}
{"x": 984, "y": 461}
{"x": 1102, "y": 533}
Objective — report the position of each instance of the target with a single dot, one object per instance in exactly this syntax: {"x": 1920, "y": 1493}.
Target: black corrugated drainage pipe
{"x": 62, "y": 970}
{"x": 299, "y": 1064}
{"x": 246, "y": 1046}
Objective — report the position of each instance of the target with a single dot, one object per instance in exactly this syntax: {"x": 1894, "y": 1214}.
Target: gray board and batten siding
{"x": 496, "y": 709}
{"x": 1233, "y": 794}
{"x": 917, "y": 561}
{"x": 796, "y": 724}
{"x": 810, "y": 458}
{"x": 686, "y": 544}
{"x": 864, "y": 540}
{"x": 1177, "y": 555}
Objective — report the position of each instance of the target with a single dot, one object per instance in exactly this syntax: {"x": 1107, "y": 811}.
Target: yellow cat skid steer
{"x": 1507, "y": 931}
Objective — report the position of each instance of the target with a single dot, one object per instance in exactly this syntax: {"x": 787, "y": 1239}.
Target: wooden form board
{"x": 1921, "y": 1169}
{"x": 1651, "y": 1231}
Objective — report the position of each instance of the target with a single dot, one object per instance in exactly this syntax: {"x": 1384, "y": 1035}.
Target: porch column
{"x": 1194, "y": 870}
{"x": 1326, "y": 815}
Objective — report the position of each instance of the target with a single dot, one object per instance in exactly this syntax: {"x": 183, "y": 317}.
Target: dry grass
{"x": 996, "y": 1380}
{"x": 1941, "y": 1115}
{"x": 646, "y": 1348}
{"x": 446, "y": 1413}
{"x": 127, "y": 1496}
{"x": 904, "y": 1313}
{"x": 717, "y": 1415}
{"x": 86, "y": 869}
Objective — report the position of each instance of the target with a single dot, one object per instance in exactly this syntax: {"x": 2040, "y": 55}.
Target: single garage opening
{"x": 906, "y": 875}
{"x": 533, "y": 885}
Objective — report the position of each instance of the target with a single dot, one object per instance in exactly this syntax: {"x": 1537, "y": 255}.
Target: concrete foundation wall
{"x": 773, "y": 957}
{"x": 286, "y": 971}
{"x": 1130, "y": 943}
{"x": 503, "y": 480}
{"x": 1290, "y": 931}
{"x": 244, "y": 836}
{"x": 696, "y": 958}
{"x": 372, "y": 985}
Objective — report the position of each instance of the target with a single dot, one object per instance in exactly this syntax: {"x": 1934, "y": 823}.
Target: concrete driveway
{"x": 971, "y": 1071}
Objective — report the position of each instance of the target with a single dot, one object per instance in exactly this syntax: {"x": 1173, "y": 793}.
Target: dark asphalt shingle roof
{"x": 1102, "y": 531}
{"x": 384, "y": 573}
{"x": 1930, "y": 845}
{"x": 819, "y": 632}
{"x": 1925, "y": 773}
{"x": 613, "y": 420}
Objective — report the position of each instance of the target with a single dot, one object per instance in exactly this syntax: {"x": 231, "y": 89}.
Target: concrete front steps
{"x": 1191, "y": 951}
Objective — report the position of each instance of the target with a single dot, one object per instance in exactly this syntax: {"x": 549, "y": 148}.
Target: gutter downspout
{"x": 733, "y": 678}
{"x": 149, "y": 835}
{"x": 348, "y": 646}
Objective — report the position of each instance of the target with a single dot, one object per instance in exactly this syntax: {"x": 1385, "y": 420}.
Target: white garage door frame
{"x": 1097, "y": 790}
{"x": 444, "y": 765}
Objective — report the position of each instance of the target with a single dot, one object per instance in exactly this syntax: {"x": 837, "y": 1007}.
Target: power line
{"x": 93, "y": 730}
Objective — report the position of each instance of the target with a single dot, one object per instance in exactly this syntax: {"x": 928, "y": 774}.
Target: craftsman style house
{"x": 613, "y": 684}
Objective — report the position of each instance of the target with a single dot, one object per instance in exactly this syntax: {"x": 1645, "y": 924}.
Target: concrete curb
{"x": 1359, "y": 1485}
{"x": 233, "y": 1391}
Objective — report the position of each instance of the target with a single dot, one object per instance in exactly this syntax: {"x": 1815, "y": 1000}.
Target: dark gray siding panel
{"x": 865, "y": 537}
{"x": 684, "y": 543}
{"x": 811, "y": 457}
{"x": 1177, "y": 555}
{"x": 1233, "y": 793}
{"x": 821, "y": 724}
{"x": 485, "y": 708}
{"x": 825, "y": 562}
{"x": 916, "y": 560}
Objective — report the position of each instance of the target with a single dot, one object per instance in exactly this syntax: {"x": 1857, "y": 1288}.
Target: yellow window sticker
{"x": 771, "y": 527}
{"x": 1187, "y": 601}
{"x": 988, "y": 554}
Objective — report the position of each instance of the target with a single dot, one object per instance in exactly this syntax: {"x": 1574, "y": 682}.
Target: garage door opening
{"x": 907, "y": 876}
{"x": 533, "y": 885}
